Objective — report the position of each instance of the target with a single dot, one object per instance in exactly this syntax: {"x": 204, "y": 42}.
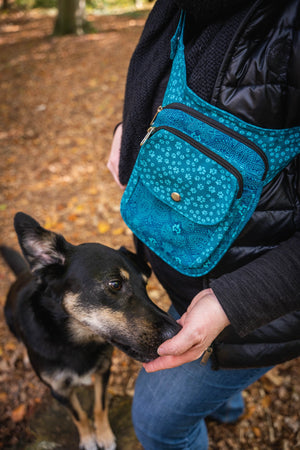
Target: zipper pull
{"x": 151, "y": 128}
{"x": 149, "y": 132}
{"x": 160, "y": 108}
{"x": 206, "y": 355}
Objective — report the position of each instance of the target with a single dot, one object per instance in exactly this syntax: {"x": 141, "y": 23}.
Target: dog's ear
{"x": 137, "y": 261}
{"x": 40, "y": 247}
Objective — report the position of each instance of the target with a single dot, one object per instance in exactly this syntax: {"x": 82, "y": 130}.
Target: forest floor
{"x": 60, "y": 99}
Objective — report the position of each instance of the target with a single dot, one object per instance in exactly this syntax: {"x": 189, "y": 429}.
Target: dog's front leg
{"x": 104, "y": 434}
{"x": 86, "y": 433}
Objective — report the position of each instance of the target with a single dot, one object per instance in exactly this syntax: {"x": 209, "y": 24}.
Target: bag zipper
{"x": 160, "y": 108}
{"x": 206, "y": 151}
{"x": 219, "y": 126}
{"x": 149, "y": 132}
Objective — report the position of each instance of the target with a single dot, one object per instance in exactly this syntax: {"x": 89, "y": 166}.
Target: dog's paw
{"x": 105, "y": 437}
{"x": 107, "y": 441}
{"x": 111, "y": 446}
{"x": 88, "y": 443}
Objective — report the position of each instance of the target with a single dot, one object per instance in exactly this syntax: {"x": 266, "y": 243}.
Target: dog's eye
{"x": 115, "y": 285}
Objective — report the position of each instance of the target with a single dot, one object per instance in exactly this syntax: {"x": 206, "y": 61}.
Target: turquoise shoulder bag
{"x": 199, "y": 175}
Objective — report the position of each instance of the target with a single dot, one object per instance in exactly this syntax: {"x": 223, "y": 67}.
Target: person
{"x": 242, "y": 56}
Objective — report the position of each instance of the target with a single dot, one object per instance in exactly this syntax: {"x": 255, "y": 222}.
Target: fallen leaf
{"x": 79, "y": 208}
{"x": 11, "y": 160}
{"x": 103, "y": 227}
{"x": 93, "y": 191}
{"x": 10, "y": 346}
{"x": 266, "y": 401}
{"x": 250, "y": 411}
{"x": 49, "y": 223}
{"x": 59, "y": 226}
{"x": 93, "y": 82}
{"x": 118, "y": 231}
{"x": 257, "y": 432}
{"x": 18, "y": 413}
{"x": 3, "y": 397}
{"x": 72, "y": 217}
{"x": 274, "y": 378}
{"x": 72, "y": 202}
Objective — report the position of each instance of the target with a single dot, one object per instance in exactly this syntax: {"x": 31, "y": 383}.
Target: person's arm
{"x": 263, "y": 290}
{"x": 247, "y": 298}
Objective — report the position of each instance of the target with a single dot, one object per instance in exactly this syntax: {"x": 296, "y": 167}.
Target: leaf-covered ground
{"x": 60, "y": 99}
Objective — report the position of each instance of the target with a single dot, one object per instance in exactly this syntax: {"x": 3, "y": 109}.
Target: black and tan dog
{"x": 69, "y": 306}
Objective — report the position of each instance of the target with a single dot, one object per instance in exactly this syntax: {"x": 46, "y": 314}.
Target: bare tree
{"x": 71, "y": 17}
{"x": 5, "y": 4}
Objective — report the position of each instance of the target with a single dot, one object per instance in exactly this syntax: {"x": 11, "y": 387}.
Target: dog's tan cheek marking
{"x": 103, "y": 322}
{"x": 99, "y": 320}
{"x": 107, "y": 321}
{"x": 81, "y": 333}
{"x": 77, "y": 316}
{"x": 124, "y": 274}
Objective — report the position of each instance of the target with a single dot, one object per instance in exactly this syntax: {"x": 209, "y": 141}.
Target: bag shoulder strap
{"x": 177, "y": 39}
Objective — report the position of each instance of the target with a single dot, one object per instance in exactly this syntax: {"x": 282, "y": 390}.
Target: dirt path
{"x": 60, "y": 99}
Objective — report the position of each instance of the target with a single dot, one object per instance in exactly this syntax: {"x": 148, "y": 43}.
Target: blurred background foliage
{"x": 103, "y": 6}
{"x": 71, "y": 14}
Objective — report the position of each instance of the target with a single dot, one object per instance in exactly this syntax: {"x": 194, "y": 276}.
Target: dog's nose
{"x": 170, "y": 328}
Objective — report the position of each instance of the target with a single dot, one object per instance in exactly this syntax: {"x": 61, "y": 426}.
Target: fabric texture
{"x": 179, "y": 422}
{"x": 207, "y": 11}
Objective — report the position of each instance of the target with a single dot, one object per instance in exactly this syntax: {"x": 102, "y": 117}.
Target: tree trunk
{"x": 70, "y": 18}
{"x": 5, "y": 4}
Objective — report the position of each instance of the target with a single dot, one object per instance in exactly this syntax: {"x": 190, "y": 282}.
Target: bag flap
{"x": 181, "y": 176}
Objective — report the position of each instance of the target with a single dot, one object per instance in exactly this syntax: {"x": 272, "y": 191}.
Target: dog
{"x": 70, "y": 305}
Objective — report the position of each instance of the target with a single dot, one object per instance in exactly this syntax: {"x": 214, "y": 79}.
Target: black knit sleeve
{"x": 264, "y": 289}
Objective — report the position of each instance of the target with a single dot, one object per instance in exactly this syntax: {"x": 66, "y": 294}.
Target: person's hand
{"x": 201, "y": 324}
{"x": 114, "y": 157}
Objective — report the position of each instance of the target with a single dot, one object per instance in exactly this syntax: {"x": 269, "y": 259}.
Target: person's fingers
{"x": 202, "y": 322}
{"x": 180, "y": 343}
{"x": 114, "y": 157}
{"x": 170, "y": 361}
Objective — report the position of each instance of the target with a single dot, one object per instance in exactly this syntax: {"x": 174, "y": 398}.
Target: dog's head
{"x": 102, "y": 291}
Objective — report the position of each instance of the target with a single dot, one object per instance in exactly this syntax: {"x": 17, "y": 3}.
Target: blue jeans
{"x": 169, "y": 407}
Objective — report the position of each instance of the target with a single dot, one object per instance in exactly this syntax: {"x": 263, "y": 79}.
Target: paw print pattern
{"x": 212, "y": 204}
